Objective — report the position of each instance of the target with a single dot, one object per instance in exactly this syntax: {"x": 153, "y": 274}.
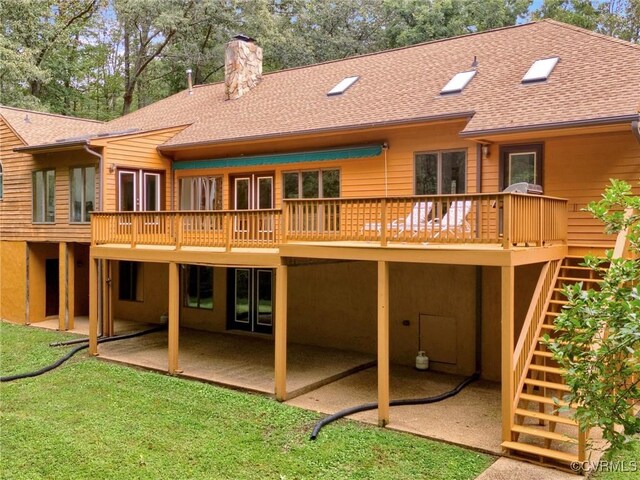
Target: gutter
{"x": 552, "y": 125}
{"x": 391, "y": 123}
{"x": 50, "y": 147}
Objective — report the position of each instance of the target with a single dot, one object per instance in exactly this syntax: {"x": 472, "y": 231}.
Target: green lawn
{"x": 91, "y": 419}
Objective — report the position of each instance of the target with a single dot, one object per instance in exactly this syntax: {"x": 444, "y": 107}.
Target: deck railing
{"x": 505, "y": 219}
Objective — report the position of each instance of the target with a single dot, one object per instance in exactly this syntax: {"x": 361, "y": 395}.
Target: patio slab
{"x": 509, "y": 469}
{"x": 240, "y": 361}
{"x": 471, "y": 418}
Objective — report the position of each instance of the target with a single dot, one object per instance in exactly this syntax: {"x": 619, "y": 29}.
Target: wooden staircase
{"x": 539, "y": 431}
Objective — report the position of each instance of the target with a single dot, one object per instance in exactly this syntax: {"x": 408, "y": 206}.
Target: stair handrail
{"x": 523, "y": 351}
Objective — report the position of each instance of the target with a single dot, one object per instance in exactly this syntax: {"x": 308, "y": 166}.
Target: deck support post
{"x": 507, "y": 346}
{"x": 174, "y": 316}
{"x": 107, "y": 299}
{"x": 71, "y": 286}
{"x": 93, "y": 306}
{"x": 383, "y": 343}
{"x": 63, "y": 268}
{"x": 281, "y": 333}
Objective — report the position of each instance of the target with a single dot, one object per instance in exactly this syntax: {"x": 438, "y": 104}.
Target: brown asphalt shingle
{"x": 37, "y": 128}
{"x": 597, "y": 77}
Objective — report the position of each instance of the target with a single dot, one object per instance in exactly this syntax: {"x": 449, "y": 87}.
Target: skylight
{"x": 342, "y": 86}
{"x": 540, "y": 70}
{"x": 458, "y": 82}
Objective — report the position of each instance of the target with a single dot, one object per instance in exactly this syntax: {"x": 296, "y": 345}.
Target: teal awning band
{"x": 284, "y": 158}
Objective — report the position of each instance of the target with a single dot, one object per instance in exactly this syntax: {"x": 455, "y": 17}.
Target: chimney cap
{"x": 244, "y": 38}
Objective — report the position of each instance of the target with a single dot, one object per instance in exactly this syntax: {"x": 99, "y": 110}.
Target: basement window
{"x": 458, "y": 82}
{"x": 540, "y": 70}
{"x": 341, "y": 87}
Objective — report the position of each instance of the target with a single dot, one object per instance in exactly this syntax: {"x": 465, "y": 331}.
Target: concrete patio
{"x": 471, "y": 418}
{"x": 238, "y": 360}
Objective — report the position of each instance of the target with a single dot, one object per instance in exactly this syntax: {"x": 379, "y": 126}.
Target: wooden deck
{"x": 501, "y": 220}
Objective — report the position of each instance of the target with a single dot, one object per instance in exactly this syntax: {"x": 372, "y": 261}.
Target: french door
{"x": 253, "y": 192}
{"x": 139, "y": 190}
{"x": 251, "y": 299}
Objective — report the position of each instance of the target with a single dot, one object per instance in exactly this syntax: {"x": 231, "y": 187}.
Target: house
{"x": 359, "y": 206}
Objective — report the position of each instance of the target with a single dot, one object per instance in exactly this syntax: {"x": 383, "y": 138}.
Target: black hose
{"x": 60, "y": 361}
{"x": 393, "y": 403}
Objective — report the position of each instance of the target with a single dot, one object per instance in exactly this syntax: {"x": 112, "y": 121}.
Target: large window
{"x": 130, "y": 281}
{"x": 83, "y": 193}
{"x": 312, "y": 184}
{"x": 198, "y": 287}
{"x": 439, "y": 173}
{"x": 44, "y": 196}
{"x": 201, "y": 193}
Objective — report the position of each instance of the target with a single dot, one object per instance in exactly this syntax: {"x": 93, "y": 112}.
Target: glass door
{"x": 253, "y": 192}
{"x": 251, "y": 300}
{"x": 139, "y": 191}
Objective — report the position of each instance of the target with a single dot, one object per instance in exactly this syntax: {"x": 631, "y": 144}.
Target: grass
{"x": 628, "y": 460}
{"x": 92, "y": 419}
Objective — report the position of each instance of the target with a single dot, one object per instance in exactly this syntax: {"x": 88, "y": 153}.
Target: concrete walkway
{"x": 508, "y": 469}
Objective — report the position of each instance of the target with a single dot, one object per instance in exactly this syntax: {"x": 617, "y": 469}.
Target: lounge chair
{"x": 455, "y": 220}
{"x": 415, "y": 221}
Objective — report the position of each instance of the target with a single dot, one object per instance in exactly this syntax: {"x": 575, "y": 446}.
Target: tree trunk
{"x": 128, "y": 86}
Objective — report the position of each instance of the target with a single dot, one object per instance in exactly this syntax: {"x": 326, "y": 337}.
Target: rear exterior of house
{"x": 359, "y": 205}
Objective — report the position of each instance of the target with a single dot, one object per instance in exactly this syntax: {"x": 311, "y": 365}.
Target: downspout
{"x": 100, "y": 178}
{"x": 635, "y": 128}
{"x": 98, "y": 208}
{"x": 385, "y": 147}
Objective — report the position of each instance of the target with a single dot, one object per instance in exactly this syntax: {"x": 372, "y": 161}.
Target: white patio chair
{"x": 455, "y": 220}
{"x": 415, "y": 221}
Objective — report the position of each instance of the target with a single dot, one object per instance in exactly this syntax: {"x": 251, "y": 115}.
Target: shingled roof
{"x": 37, "y": 128}
{"x": 596, "y": 79}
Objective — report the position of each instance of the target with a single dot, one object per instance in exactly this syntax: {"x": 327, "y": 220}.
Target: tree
{"x": 617, "y": 18}
{"x": 414, "y": 21}
{"x": 597, "y": 339}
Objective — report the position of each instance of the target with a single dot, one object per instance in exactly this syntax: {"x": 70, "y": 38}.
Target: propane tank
{"x": 422, "y": 361}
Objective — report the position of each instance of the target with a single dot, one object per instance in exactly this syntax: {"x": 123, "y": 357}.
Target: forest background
{"x": 104, "y": 58}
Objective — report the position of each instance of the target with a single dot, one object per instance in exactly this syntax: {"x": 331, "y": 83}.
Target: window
{"x": 540, "y": 70}
{"x": 130, "y": 278}
{"x": 201, "y": 193}
{"x": 44, "y": 196}
{"x": 198, "y": 287}
{"x": 458, "y": 82}
{"x": 341, "y": 87}
{"x": 1, "y": 180}
{"x": 439, "y": 173}
{"x": 521, "y": 163}
{"x": 312, "y": 184}
{"x": 83, "y": 193}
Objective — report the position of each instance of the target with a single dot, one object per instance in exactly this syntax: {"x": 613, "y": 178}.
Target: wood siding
{"x": 136, "y": 152}
{"x": 16, "y": 204}
{"x": 578, "y": 168}
{"x": 364, "y": 177}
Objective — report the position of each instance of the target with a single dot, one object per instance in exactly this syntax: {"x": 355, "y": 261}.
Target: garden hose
{"x": 60, "y": 361}
{"x": 393, "y": 403}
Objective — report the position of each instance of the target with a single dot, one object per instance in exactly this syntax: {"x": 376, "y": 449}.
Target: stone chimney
{"x": 242, "y": 66}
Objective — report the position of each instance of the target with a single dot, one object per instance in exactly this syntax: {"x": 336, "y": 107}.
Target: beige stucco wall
{"x": 13, "y": 281}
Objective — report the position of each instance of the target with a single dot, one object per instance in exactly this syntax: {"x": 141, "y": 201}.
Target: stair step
{"x": 574, "y": 267}
{"x": 539, "y": 432}
{"x": 553, "y": 314}
{"x": 544, "y": 368}
{"x": 542, "y": 353}
{"x": 551, "y": 385}
{"x": 548, "y": 400}
{"x": 576, "y": 280}
{"x": 558, "y": 302}
{"x": 546, "y": 416}
{"x": 543, "y": 452}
